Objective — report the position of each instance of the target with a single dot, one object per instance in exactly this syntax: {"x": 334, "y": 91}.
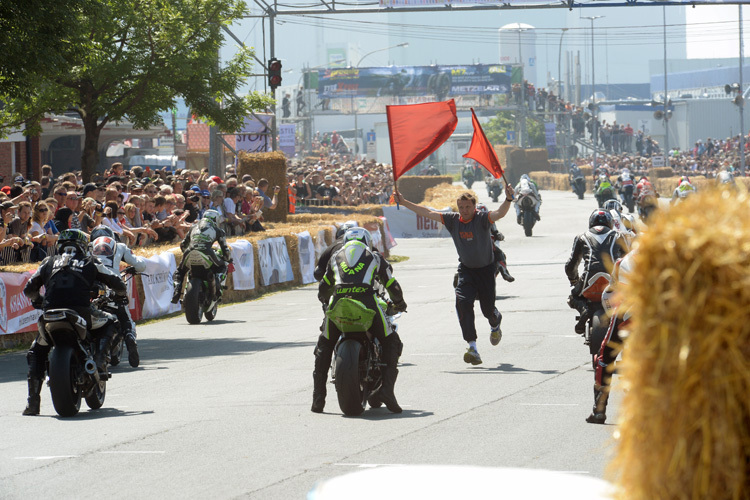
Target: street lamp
{"x": 354, "y": 109}
{"x": 559, "y": 64}
{"x": 594, "y": 109}
{"x": 521, "y": 139}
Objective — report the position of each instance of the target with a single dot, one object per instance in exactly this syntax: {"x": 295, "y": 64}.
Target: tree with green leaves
{"x": 121, "y": 60}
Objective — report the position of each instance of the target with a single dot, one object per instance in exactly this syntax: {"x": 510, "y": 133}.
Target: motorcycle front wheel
{"x": 66, "y": 393}
{"x": 349, "y": 387}
{"x": 192, "y": 302}
{"x": 528, "y": 221}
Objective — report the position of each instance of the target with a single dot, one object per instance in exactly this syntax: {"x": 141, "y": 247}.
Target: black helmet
{"x": 102, "y": 230}
{"x": 73, "y": 238}
{"x": 600, "y": 218}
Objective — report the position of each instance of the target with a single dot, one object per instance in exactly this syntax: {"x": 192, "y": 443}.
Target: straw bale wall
{"x": 414, "y": 187}
{"x": 683, "y": 428}
{"x": 517, "y": 161}
{"x": 271, "y": 166}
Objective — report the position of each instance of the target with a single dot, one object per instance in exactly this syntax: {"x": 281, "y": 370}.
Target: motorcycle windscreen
{"x": 350, "y": 315}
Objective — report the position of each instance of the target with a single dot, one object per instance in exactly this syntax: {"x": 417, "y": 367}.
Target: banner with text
{"x": 273, "y": 257}
{"x": 288, "y": 139}
{"x": 255, "y": 135}
{"x": 320, "y": 243}
{"x": 306, "y": 257}
{"x": 16, "y": 312}
{"x": 440, "y": 81}
{"x": 406, "y": 224}
{"x": 157, "y": 285}
{"x": 243, "y": 277}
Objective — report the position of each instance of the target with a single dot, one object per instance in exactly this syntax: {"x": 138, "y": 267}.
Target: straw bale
{"x": 659, "y": 172}
{"x": 547, "y": 180}
{"x": 587, "y": 170}
{"x": 413, "y": 187}
{"x": 445, "y": 196}
{"x": 271, "y": 166}
{"x": 684, "y": 425}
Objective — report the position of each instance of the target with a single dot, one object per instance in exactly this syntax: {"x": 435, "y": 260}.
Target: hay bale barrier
{"x": 684, "y": 430}
{"x": 413, "y": 187}
{"x": 271, "y": 166}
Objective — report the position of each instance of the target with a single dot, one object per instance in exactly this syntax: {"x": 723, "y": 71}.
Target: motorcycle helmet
{"x": 684, "y": 178}
{"x": 344, "y": 227}
{"x": 104, "y": 246}
{"x": 213, "y": 216}
{"x": 72, "y": 239}
{"x": 481, "y": 207}
{"x": 102, "y": 230}
{"x": 525, "y": 177}
{"x": 358, "y": 234}
{"x": 600, "y": 218}
{"x": 613, "y": 205}
{"x": 725, "y": 177}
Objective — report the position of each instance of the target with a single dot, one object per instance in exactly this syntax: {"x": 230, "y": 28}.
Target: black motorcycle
{"x": 467, "y": 176}
{"x": 73, "y": 374}
{"x": 357, "y": 367}
{"x": 494, "y": 189}
{"x": 579, "y": 186}
{"x": 626, "y": 194}
{"x": 199, "y": 300}
{"x": 597, "y": 323}
{"x": 527, "y": 202}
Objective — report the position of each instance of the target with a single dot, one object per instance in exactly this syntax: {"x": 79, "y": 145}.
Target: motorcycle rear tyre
{"x": 210, "y": 315}
{"x": 191, "y": 302}
{"x": 528, "y": 222}
{"x": 66, "y": 396}
{"x": 95, "y": 399}
{"x": 348, "y": 385}
{"x": 599, "y": 325}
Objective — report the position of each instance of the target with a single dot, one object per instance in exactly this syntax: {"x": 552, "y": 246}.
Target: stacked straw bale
{"x": 685, "y": 419}
{"x": 413, "y": 187}
{"x": 271, "y": 166}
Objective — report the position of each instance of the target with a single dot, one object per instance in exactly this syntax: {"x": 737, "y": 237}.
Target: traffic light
{"x": 274, "y": 73}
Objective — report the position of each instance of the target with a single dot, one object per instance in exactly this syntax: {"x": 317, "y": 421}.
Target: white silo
{"x": 518, "y": 44}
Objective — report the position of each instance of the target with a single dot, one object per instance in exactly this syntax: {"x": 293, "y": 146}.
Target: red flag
{"x": 482, "y": 151}
{"x": 417, "y": 130}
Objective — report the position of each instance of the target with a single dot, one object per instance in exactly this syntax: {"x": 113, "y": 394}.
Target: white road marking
{"x": 549, "y": 404}
{"x": 133, "y": 452}
{"x": 432, "y": 354}
{"x": 366, "y": 466}
{"x": 50, "y": 457}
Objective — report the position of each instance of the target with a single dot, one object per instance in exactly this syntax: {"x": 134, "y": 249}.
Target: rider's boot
{"x": 505, "y": 274}
{"x": 176, "y": 293}
{"x": 34, "y": 400}
{"x": 320, "y": 378}
{"x": 599, "y": 412}
{"x": 390, "y": 373}
{"x": 133, "y": 357}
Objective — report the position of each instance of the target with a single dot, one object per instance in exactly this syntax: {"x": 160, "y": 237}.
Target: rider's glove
{"x": 573, "y": 281}
{"x": 130, "y": 270}
{"x": 122, "y": 299}
{"x": 399, "y": 306}
{"x": 37, "y": 304}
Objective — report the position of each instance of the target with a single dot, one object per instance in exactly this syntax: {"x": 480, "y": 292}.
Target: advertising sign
{"x": 287, "y": 139}
{"x": 440, "y": 81}
{"x": 16, "y": 312}
{"x": 254, "y": 137}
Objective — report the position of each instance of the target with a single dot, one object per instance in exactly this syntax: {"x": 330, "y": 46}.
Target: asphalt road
{"x": 223, "y": 409}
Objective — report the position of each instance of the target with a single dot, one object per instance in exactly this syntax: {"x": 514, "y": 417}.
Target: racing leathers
{"x": 683, "y": 190}
{"x": 527, "y": 187}
{"x": 598, "y": 248}
{"x": 124, "y": 254}
{"x": 352, "y": 272}
{"x": 67, "y": 280}
{"x": 196, "y": 248}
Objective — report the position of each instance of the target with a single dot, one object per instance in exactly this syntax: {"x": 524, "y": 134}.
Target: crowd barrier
{"x": 262, "y": 264}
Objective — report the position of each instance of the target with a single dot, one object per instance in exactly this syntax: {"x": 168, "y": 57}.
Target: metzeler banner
{"x": 273, "y": 257}
{"x": 243, "y": 277}
{"x": 16, "y": 312}
{"x": 406, "y": 224}
{"x": 157, "y": 286}
{"x": 306, "y": 257}
{"x": 440, "y": 81}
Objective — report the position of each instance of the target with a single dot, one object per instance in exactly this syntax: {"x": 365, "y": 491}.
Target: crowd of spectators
{"x": 141, "y": 205}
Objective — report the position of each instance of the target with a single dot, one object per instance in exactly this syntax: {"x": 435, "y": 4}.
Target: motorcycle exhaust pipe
{"x": 90, "y": 366}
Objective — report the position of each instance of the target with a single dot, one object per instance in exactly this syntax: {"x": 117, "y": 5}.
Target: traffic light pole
{"x": 271, "y": 23}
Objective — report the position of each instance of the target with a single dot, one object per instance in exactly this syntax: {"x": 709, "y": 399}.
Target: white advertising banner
{"x": 287, "y": 139}
{"x": 306, "y": 257}
{"x": 273, "y": 257}
{"x": 243, "y": 277}
{"x": 157, "y": 286}
{"x": 320, "y": 243}
{"x": 404, "y": 223}
{"x": 255, "y": 135}
{"x": 377, "y": 239}
{"x": 389, "y": 241}
{"x": 16, "y": 312}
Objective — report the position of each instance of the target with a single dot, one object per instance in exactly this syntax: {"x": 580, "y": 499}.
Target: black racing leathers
{"x": 599, "y": 248}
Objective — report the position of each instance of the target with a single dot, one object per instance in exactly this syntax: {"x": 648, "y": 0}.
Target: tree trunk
{"x": 90, "y": 156}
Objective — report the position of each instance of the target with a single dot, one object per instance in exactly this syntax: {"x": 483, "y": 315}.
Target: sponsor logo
{"x": 352, "y": 289}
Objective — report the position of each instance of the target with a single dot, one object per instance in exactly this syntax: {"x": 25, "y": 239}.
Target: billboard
{"x": 440, "y": 81}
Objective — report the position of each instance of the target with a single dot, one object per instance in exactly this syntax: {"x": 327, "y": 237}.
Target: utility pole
{"x": 666, "y": 98}
{"x": 595, "y": 110}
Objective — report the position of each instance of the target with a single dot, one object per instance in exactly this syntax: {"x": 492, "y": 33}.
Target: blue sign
{"x": 510, "y": 136}
{"x": 370, "y": 136}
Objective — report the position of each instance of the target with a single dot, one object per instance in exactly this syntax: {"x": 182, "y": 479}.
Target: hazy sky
{"x": 701, "y": 46}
